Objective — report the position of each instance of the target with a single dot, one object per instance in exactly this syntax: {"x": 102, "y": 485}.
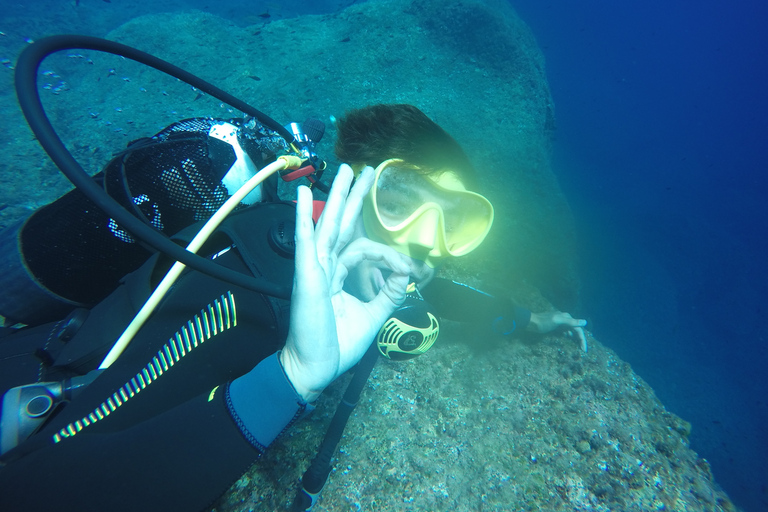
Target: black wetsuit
{"x": 144, "y": 434}
{"x": 164, "y": 427}
{"x": 156, "y": 442}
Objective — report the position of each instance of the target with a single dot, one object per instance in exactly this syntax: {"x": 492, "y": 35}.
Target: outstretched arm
{"x": 463, "y": 303}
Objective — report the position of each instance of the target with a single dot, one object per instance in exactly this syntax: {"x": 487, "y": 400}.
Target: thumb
{"x": 390, "y": 297}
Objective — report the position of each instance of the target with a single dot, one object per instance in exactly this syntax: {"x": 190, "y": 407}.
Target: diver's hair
{"x": 370, "y": 135}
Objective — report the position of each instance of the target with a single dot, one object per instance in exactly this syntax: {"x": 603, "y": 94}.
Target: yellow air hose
{"x": 282, "y": 162}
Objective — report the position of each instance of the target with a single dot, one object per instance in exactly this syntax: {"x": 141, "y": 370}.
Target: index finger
{"x": 354, "y": 205}
{"x": 330, "y": 221}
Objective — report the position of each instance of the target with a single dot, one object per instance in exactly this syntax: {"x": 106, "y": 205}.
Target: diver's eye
{"x": 394, "y": 204}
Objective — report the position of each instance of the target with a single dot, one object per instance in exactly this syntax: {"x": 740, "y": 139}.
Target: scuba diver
{"x": 217, "y": 369}
{"x": 422, "y": 206}
{"x": 217, "y": 372}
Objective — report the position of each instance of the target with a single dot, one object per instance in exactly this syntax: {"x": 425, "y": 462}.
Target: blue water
{"x": 661, "y": 147}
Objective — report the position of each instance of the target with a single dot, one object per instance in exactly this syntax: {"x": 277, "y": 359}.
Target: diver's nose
{"x": 428, "y": 225}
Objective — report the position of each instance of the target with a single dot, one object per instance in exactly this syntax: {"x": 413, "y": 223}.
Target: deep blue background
{"x": 661, "y": 143}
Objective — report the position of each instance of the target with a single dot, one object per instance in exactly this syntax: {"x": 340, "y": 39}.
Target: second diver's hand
{"x": 552, "y": 320}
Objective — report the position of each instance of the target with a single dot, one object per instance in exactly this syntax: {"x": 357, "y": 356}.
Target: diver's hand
{"x": 330, "y": 330}
{"x": 551, "y": 320}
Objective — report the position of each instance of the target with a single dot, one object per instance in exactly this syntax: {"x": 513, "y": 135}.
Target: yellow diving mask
{"x": 427, "y": 217}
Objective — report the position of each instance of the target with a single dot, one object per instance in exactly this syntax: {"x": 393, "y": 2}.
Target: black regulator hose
{"x": 316, "y": 475}
{"x": 29, "y": 100}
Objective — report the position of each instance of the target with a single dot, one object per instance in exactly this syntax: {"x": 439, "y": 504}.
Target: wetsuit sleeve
{"x": 263, "y": 402}
{"x": 463, "y": 303}
{"x": 183, "y": 459}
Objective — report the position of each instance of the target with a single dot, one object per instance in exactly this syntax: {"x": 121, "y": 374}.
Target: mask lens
{"x": 401, "y": 190}
{"x": 465, "y": 216}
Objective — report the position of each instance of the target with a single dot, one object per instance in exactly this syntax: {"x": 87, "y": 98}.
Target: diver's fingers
{"x": 353, "y": 206}
{"x": 391, "y": 296}
{"x": 582, "y": 338}
{"x": 418, "y": 271}
{"x": 364, "y": 249}
{"x": 327, "y": 231}
{"x": 566, "y": 320}
{"x": 306, "y": 255}
{"x": 361, "y": 250}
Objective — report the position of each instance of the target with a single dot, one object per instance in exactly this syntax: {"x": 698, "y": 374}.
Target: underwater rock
{"x": 491, "y": 423}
